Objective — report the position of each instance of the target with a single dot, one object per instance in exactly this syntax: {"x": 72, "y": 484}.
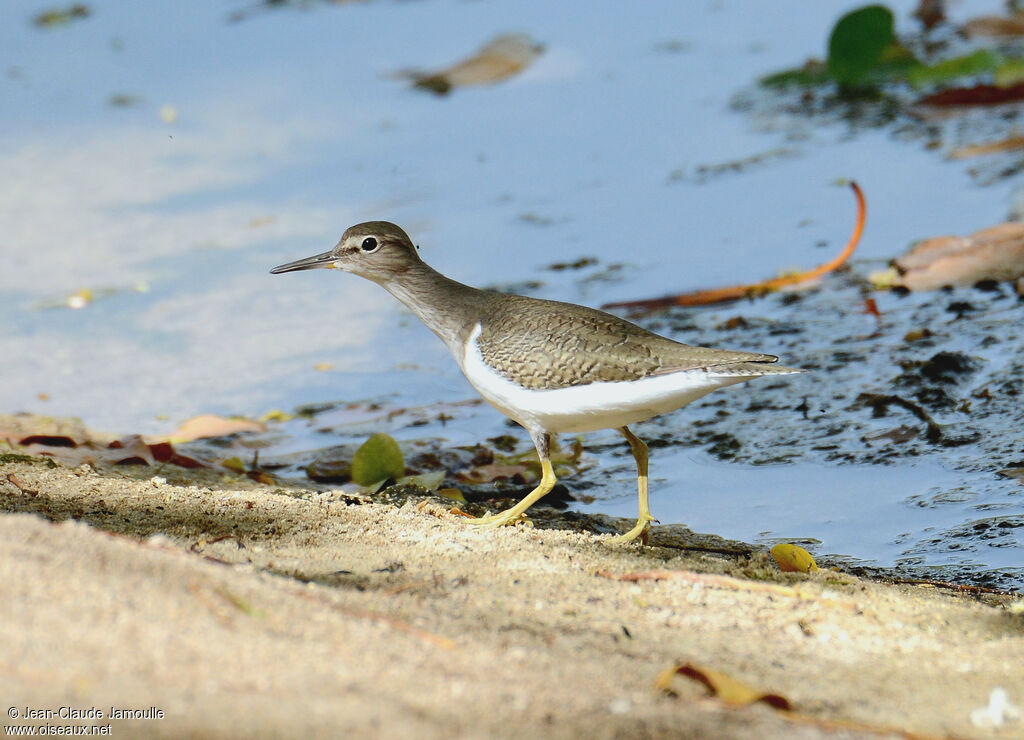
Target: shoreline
{"x": 251, "y": 609}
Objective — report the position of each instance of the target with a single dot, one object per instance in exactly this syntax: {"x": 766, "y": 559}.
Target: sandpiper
{"x": 553, "y": 367}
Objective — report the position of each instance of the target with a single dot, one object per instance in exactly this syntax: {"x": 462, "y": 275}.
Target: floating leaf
{"x": 814, "y": 72}
{"x": 977, "y": 95}
{"x": 209, "y": 425}
{"x": 994, "y": 26}
{"x": 1009, "y": 73}
{"x": 378, "y": 459}
{"x": 722, "y": 686}
{"x": 858, "y": 43}
{"x": 503, "y": 57}
{"x": 992, "y": 147}
{"x": 980, "y": 62}
{"x": 793, "y": 558}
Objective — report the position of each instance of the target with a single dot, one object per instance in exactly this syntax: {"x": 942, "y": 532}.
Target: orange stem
{"x": 735, "y": 292}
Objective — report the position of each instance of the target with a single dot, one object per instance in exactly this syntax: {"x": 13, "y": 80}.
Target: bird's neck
{"x": 446, "y": 306}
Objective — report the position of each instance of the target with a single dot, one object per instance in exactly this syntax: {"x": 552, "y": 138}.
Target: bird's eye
{"x": 369, "y": 244}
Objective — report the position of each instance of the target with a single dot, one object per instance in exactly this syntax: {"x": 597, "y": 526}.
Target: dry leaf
{"x": 977, "y": 95}
{"x": 209, "y": 425}
{"x": 993, "y": 147}
{"x": 723, "y": 687}
{"x": 503, "y": 57}
{"x": 453, "y": 493}
{"x": 995, "y": 253}
{"x": 793, "y": 558}
{"x": 994, "y": 26}
{"x": 71, "y": 443}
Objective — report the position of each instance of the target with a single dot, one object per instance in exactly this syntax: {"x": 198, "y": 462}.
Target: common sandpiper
{"x": 553, "y": 367}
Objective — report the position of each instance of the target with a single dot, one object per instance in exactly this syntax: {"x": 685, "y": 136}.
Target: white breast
{"x": 587, "y": 408}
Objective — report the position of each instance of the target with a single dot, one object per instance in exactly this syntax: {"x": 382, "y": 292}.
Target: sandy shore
{"x": 236, "y": 609}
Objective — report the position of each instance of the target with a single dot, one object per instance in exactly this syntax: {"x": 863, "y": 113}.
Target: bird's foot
{"x": 642, "y": 530}
{"x": 500, "y": 520}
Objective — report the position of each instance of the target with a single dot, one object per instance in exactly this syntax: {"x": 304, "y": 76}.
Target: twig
{"x": 13, "y": 480}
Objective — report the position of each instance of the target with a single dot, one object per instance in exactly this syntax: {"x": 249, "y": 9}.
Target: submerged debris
{"x": 61, "y": 16}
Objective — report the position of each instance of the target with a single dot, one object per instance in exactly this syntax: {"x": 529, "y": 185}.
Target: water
{"x": 289, "y": 126}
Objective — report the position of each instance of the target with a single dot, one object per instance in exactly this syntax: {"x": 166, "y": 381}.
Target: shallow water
{"x": 289, "y": 126}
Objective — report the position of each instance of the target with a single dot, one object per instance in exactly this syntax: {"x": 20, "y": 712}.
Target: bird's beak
{"x": 327, "y": 259}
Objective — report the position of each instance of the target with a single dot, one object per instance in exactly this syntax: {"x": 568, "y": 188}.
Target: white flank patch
{"x": 587, "y": 408}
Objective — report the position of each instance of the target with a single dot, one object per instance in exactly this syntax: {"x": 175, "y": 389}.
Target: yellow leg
{"x": 542, "y": 442}
{"x": 643, "y": 522}
{"x": 510, "y": 516}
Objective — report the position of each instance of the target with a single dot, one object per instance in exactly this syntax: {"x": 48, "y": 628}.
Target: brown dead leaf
{"x": 974, "y": 96}
{"x": 995, "y": 253}
{"x": 209, "y": 425}
{"x": 994, "y": 26}
{"x": 70, "y": 442}
{"x": 994, "y": 147}
{"x": 931, "y": 13}
{"x": 722, "y": 686}
{"x": 131, "y": 450}
{"x": 503, "y": 57}
{"x": 1015, "y": 473}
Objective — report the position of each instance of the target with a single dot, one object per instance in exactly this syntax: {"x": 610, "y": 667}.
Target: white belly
{"x": 587, "y": 408}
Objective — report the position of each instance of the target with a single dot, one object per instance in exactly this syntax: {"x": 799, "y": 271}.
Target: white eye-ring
{"x": 370, "y": 244}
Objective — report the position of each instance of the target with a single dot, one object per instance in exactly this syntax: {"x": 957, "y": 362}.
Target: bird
{"x": 553, "y": 367}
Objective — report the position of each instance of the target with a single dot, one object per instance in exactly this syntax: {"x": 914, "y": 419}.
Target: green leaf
{"x": 1009, "y": 73}
{"x": 858, "y": 43}
{"x": 812, "y": 73}
{"x": 378, "y": 459}
{"x": 980, "y": 62}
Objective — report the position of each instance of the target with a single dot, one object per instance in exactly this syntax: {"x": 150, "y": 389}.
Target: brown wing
{"x": 547, "y": 344}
